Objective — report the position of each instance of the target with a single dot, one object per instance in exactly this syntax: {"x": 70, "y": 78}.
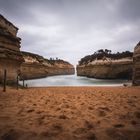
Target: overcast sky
{"x": 71, "y": 29}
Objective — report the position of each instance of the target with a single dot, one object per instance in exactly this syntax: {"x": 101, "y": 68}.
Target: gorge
{"x": 101, "y": 65}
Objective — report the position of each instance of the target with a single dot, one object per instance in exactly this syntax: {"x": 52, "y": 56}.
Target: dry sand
{"x": 70, "y": 113}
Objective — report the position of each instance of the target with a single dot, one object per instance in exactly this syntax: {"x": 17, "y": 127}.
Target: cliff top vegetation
{"x": 101, "y": 54}
{"x": 41, "y": 59}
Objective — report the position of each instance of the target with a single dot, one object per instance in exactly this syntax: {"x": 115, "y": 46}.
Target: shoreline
{"x": 72, "y": 80}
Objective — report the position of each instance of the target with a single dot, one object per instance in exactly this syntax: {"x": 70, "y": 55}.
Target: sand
{"x": 70, "y": 113}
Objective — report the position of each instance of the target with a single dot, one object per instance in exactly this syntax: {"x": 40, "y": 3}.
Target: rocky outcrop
{"x": 10, "y": 55}
{"x": 36, "y": 66}
{"x": 107, "y": 68}
{"x": 136, "y": 65}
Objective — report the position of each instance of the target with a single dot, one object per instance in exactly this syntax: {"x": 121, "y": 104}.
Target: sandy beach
{"x": 70, "y": 113}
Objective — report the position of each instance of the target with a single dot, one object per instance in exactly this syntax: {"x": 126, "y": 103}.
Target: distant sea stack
{"x": 105, "y": 65}
{"x": 36, "y": 66}
{"x": 10, "y": 55}
{"x": 136, "y": 65}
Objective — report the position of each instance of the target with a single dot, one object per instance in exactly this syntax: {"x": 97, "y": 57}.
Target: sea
{"x": 73, "y": 80}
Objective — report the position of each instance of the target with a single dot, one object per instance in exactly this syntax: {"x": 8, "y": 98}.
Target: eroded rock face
{"x": 136, "y": 65}
{"x": 10, "y": 55}
{"x": 35, "y": 66}
{"x": 107, "y": 69}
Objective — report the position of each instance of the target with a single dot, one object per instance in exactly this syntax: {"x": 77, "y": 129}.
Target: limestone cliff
{"x": 10, "y": 55}
{"x": 136, "y": 65}
{"x": 106, "y": 66}
{"x": 36, "y": 66}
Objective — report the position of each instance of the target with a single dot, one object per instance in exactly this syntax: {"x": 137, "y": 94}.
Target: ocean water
{"x": 72, "y": 80}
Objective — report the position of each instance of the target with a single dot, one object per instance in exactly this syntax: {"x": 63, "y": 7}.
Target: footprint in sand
{"x": 127, "y": 116}
{"x": 90, "y": 108}
{"x": 104, "y": 108}
{"x": 54, "y": 130}
{"x": 39, "y": 112}
{"x": 34, "y": 104}
{"x": 131, "y": 103}
{"x": 118, "y": 125}
{"x": 58, "y": 109}
{"x": 21, "y": 110}
{"x": 89, "y": 125}
{"x": 84, "y": 133}
{"x": 102, "y": 111}
{"x": 30, "y": 110}
{"x": 114, "y": 134}
{"x": 91, "y": 136}
{"x": 137, "y": 114}
{"x": 13, "y": 134}
{"x": 123, "y": 134}
{"x": 47, "y": 101}
{"x": 82, "y": 103}
{"x": 79, "y": 131}
{"x": 40, "y": 119}
{"x": 63, "y": 117}
{"x": 133, "y": 122}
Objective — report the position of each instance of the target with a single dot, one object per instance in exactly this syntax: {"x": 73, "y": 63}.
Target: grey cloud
{"x": 70, "y": 29}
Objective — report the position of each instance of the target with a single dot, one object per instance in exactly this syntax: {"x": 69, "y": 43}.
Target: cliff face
{"x": 136, "y": 65}
{"x": 106, "y": 68}
{"x": 10, "y": 55}
{"x": 35, "y": 66}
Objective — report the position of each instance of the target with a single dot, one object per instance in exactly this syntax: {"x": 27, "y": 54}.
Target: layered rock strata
{"x": 106, "y": 68}
{"x": 10, "y": 55}
{"x": 136, "y": 65}
{"x": 35, "y": 66}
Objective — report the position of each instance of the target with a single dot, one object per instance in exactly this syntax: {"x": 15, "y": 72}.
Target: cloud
{"x": 71, "y": 29}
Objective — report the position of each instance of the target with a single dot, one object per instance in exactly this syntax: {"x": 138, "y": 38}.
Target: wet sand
{"x": 70, "y": 113}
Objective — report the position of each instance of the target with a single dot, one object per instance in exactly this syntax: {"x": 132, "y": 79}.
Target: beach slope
{"x": 70, "y": 113}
